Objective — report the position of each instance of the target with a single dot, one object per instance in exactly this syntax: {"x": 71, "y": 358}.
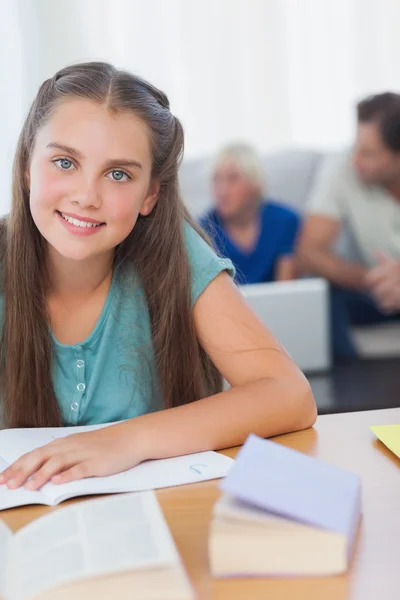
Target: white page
{"x": 16, "y": 442}
{"x": 45, "y": 551}
{"x": 19, "y": 497}
{"x": 149, "y": 475}
{"x": 92, "y": 538}
{"x": 6, "y": 536}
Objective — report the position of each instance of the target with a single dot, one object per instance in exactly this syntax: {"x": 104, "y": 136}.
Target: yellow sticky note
{"x": 389, "y": 435}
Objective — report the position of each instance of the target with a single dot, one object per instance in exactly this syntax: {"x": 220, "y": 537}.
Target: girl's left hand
{"x": 93, "y": 454}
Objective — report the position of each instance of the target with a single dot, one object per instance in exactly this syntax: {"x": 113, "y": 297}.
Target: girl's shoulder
{"x": 205, "y": 264}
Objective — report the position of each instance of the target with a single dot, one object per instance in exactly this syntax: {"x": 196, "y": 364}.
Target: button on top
{"x": 80, "y": 363}
{"x": 80, "y": 387}
{"x": 74, "y": 406}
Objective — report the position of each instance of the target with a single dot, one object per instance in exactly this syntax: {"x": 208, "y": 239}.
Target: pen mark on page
{"x": 59, "y": 437}
{"x": 198, "y": 468}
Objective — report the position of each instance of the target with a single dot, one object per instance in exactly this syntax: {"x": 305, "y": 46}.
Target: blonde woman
{"x": 257, "y": 233}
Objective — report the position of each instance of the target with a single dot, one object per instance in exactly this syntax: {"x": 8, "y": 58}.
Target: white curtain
{"x": 276, "y": 73}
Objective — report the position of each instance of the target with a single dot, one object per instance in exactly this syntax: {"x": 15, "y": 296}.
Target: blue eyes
{"x": 67, "y": 165}
{"x": 64, "y": 164}
{"x": 118, "y": 175}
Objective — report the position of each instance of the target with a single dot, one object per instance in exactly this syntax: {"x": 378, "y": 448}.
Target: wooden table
{"x": 342, "y": 439}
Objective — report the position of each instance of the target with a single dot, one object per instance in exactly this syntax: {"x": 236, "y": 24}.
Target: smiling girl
{"x": 115, "y": 308}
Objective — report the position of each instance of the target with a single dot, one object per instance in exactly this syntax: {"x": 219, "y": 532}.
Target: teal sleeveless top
{"x": 112, "y": 376}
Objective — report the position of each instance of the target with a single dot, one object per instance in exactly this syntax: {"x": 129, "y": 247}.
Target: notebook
{"x": 149, "y": 475}
{"x": 389, "y": 435}
{"x": 283, "y": 513}
{"x": 115, "y": 547}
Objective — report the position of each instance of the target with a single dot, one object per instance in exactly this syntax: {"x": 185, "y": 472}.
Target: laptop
{"x": 296, "y": 312}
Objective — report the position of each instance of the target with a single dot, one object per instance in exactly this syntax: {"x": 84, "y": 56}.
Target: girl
{"x": 115, "y": 307}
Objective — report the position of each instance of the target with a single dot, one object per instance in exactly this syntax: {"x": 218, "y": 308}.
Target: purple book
{"x": 295, "y": 486}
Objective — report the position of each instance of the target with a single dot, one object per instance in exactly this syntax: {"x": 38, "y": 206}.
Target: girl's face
{"x": 89, "y": 178}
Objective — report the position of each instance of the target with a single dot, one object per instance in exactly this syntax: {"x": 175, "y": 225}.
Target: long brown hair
{"x": 155, "y": 248}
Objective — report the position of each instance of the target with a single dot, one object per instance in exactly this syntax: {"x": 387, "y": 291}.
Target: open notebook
{"x": 115, "y": 547}
{"x": 149, "y": 475}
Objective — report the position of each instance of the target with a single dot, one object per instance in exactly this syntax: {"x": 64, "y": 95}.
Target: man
{"x": 257, "y": 234}
{"x": 359, "y": 189}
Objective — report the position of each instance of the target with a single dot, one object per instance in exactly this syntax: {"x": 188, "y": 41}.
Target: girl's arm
{"x": 269, "y": 396}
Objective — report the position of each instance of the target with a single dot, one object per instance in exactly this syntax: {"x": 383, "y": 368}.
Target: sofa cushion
{"x": 289, "y": 176}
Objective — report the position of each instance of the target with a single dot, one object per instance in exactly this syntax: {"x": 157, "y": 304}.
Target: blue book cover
{"x": 295, "y": 486}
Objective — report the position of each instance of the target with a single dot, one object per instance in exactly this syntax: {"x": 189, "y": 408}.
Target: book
{"x": 389, "y": 435}
{"x": 113, "y": 547}
{"x": 149, "y": 475}
{"x": 283, "y": 513}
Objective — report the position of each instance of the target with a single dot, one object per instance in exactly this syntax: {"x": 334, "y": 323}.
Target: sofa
{"x": 289, "y": 177}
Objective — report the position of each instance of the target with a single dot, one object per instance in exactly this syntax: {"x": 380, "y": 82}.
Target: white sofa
{"x": 289, "y": 178}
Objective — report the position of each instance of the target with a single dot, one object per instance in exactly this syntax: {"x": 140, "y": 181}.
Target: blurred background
{"x": 283, "y": 76}
{"x": 276, "y": 73}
